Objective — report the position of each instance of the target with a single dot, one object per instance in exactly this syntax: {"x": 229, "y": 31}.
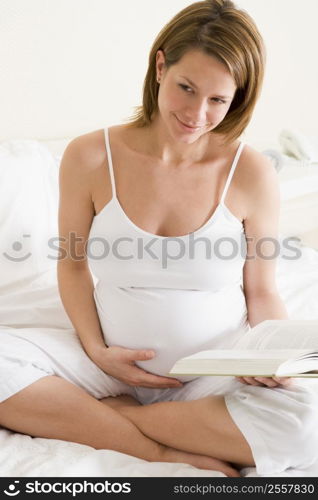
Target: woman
{"x": 136, "y": 203}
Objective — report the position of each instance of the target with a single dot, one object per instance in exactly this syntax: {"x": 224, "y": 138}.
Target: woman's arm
{"x": 76, "y": 212}
{"x": 265, "y": 306}
{"x": 76, "y": 287}
{"x": 263, "y": 247}
{"x": 261, "y": 230}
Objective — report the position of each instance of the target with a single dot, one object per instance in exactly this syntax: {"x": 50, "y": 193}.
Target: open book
{"x": 250, "y": 362}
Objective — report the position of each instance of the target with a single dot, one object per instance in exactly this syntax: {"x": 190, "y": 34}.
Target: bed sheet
{"x": 36, "y": 303}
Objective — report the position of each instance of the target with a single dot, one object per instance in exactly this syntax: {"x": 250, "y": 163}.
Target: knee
{"x": 306, "y": 431}
{"x": 289, "y": 417}
{"x": 301, "y": 431}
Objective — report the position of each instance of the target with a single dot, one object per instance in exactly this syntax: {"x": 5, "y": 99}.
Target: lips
{"x": 189, "y": 126}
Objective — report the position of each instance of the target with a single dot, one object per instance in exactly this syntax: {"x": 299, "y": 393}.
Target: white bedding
{"x": 29, "y": 298}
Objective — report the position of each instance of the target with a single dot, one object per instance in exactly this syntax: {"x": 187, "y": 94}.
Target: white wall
{"x": 70, "y": 66}
{"x": 289, "y": 97}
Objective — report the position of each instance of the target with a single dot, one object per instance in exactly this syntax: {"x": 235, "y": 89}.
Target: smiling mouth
{"x": 189, "y": 126}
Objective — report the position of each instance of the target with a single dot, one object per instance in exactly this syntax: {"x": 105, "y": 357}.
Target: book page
{"x": 235, "y": 362}
{"x": 239, "y": 354}
{"x": 298, "y": 366}
{"x": 281, "y": 334}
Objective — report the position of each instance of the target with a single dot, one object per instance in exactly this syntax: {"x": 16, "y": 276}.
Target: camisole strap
{"x": 235, "y": 162}
{"x": 110, "y": 162}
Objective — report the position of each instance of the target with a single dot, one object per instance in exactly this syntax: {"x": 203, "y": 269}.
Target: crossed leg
{"x": 203, "y": 426}
{"x": 54, "y": 408}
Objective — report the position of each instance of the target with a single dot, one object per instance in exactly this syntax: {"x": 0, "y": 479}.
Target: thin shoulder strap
{"x": 228, "y": 182}
{"x": 110, "y": 161}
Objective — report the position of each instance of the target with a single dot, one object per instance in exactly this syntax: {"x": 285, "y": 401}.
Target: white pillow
{"x": 56, "y": 146}
{"x": 28, "y": 210}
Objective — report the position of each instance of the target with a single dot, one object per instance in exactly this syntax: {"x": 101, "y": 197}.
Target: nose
{"x": 196, "y": 114}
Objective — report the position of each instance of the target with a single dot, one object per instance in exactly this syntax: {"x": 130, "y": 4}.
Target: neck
{"x": 164, "y": 147}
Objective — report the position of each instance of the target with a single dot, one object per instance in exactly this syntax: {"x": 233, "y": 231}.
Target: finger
{"x": 241, "y": 379}
{"x": 268, "y": 381}
{"x": 144, "y": 377}
{"x": 138, "y": 382}
{"x": 252, "y": 381}
{"x": 163, "y": 384}
{"x": 283, "y": 380}
{"x": 157, "y": 381}
{"x": 140, "y": 355}
{"x": 157, "y": 386}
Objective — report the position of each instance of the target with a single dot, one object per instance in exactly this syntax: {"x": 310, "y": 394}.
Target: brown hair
{"x": 219, "y": 29}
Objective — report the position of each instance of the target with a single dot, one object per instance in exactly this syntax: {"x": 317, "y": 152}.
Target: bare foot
{"x": 201, "y": 462}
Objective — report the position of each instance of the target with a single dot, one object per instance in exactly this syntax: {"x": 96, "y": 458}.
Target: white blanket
{"x": 37, "y": 304}
{"x": 29, "y": 298}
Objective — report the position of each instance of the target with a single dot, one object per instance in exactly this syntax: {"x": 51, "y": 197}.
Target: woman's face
{"x": 197, "y": 91}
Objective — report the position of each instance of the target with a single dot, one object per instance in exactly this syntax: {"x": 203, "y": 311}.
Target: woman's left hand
{"x": 265, "y": 381}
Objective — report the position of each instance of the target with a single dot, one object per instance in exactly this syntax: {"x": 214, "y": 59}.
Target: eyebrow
{"x": 194, "y": 85}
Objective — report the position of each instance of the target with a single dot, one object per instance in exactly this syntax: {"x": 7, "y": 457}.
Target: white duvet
{"x": 29, "y": 298}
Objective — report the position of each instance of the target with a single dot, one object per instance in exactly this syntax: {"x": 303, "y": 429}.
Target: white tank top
{"x": 175, "y": 295}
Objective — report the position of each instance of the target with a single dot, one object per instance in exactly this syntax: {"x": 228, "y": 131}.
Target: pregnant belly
{"x": 173, "y": 323}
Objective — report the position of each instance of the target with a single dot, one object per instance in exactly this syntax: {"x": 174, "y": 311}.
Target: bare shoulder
{"x": 259, "y": 185}
{"x": 83, "y": 165}
{"x": 81, "y": 159}
{"x": 88, "y": 150}
{"x": 257, "y": 173}
{"x": 256, "y": 166}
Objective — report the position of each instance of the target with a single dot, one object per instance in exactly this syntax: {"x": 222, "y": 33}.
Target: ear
{"x": 160, "y": 62}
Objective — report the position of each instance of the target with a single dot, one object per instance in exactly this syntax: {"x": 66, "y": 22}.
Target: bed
{"x": 29, "y": 298}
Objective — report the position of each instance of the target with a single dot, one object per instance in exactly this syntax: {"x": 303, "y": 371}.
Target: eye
{"x": 215, "y": 99}
{"x": 184, "y": 87}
